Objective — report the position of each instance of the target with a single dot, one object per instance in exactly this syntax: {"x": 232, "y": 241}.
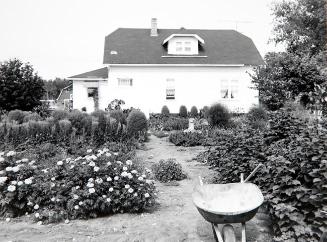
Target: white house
{"x": 149, "y": 68}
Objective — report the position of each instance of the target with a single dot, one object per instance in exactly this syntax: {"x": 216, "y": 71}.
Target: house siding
{"x": 198, "y": 86}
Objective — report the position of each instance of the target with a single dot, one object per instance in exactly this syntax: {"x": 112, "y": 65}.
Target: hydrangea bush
{"x": 84, "y": 187}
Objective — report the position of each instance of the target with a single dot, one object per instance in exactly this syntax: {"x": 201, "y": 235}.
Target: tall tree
{"x": 20, "y": 87}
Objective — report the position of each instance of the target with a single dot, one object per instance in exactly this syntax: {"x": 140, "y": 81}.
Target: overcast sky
{"x": 66, "y": 37}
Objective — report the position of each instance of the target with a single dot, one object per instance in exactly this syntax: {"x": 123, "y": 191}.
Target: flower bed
{"x": 187, "y": 138}
{"x": 96, "y": 184}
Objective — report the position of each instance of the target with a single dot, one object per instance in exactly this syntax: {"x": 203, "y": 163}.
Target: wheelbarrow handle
{"x": 252, "y": 173}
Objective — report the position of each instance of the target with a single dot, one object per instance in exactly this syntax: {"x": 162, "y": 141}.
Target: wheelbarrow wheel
{"x": 228, "y": 233}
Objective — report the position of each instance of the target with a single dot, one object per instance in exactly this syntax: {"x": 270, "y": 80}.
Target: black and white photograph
{"x": 163, "y": 121}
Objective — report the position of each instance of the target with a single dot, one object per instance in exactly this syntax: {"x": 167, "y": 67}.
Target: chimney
{"x": 154, "y": 29}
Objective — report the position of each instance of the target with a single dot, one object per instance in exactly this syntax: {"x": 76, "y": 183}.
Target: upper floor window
{"x": 183, "y": 46}
{"x": 179, "y": 46}
{"x": 125, "y": 82}
{"x": 170, "y": 89}
{"x": 92, "y": 91}
{"x": 229, "y": 89}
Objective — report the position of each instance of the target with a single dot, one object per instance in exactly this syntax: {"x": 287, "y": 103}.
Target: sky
{"x": 61, "y": 38}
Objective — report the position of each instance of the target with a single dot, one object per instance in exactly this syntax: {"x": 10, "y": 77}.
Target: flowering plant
{"x": 82, "y": 187}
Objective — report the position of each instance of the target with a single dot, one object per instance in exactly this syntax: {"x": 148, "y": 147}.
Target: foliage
{"x": 173, "y": 123}
{"x": 287, "y": 76}
{"x": 183, "y": 111}
{"x": 160, "y": 134}
{"x": 43, "y": 109}
{"x": 59, "y": 114}
{"x": 168, "y": 170}
{"x": 301, "y": 25}
{"x": 136, "y": 123}
{"x": 20, "y": 87}
{"x": 32, "y": 116}
{"x": 17, "y": 116}
{"x": 293, "y": 151}
{"x": 85, "y": 187}
{"x": 194, "y": 112}
{"x": 115, "y": 105}
{"x": 187, "y": 138}
{"x": 165, "y": 111}
{"x": 53, "y": 87}
{"x": 218, "y": 115}
{"x": 204, "y": 112}
{"x": 119, "y": 115}
{"x": 98, "y": 113}
{"x": 257, "y": 113}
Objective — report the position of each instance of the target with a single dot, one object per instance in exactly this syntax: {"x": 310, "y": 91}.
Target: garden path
{"x": 174, "y": 219}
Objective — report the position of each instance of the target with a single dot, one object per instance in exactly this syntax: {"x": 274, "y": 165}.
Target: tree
{"x": 54, "y": 87}
{"x": 287, "y": 76}
{"x": 20, "y": 87}
{"x": 301, "y": 25}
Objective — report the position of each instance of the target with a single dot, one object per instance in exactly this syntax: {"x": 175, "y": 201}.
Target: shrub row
{"x": 187, "y": 138}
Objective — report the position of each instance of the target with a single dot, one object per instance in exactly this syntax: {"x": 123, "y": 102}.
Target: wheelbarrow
{"x": 228, "y": 204}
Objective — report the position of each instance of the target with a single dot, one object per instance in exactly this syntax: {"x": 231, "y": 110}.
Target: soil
{"x": 174, "y": 219}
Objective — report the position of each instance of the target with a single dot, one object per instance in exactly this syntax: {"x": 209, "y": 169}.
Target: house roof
{"x": 101, "y": 73}
{"x": 65, "y": 92}
{"x": 136, "y": 46}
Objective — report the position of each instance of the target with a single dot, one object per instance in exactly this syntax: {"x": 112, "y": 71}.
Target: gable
{"x": 221, "y": 47}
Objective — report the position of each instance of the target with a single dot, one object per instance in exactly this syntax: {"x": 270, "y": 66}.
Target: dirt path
{"x": 175, "y": 219}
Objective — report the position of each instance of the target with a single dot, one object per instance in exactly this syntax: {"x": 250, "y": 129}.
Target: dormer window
{"x": 183, "y": 44}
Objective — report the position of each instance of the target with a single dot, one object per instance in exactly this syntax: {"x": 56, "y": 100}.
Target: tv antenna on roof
{"x": 236, "y": 22}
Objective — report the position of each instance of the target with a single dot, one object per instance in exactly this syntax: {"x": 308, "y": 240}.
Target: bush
{"x": 86, "y": 187}
{"x": 17, "y": 116}
{"x": 257, "y": 113}
{"x": 59, "y": 114}
{"x": 136, "y": 123}
{"x": 160, "y": 134}
{"x": 119, "y": 116}
{"x": 173, "y": 123}
{"x": 204, "y": 112}
{"x": 168, "y": 170}
{"x": 293, "y": 152}
{"x": 32, "y": 116}
{"x": 194, "y": 112}
{"x": 218, "y": 115}
{"x": 76, "y": 118}
{"x": 183, "y": 111}
{"x": 187, "y": 138}
{"x": 98, "y": 112}
{"x": 165, "y": 111}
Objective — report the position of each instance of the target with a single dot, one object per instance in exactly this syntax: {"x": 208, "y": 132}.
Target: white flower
{"x": 109, "y": 163}
{"x": 2, "y": 172}
{"x": 99, "y": 154}
{"x": 39, "y": 223}
{"x": 124, "y": 168}
{"x": 14, "y": 182}
{"x": 130, "y": 176}
{"x": 116, "y": 153}
{"x": 75, "y": 196}
{"x": 91, "y": 190}
{"x": 104, "y": 196}
{"x": 53, "y": 199}
{"x": 108, "y": 154}
{"x": 96, "y": 168}
{"x": 119, "y": 162}
{"x": 31, "y": 162}
{"x": 37, "y": 215}
{"x": 3, "y": 179}
{"x": 45, "y": 170}
{"x": 68, "y": 159}
{"x": 134, "y": 171}
{"x": 109, "y": 179}
{"x": 99, "y": 180}
{"x": 60, "y": 163}
{"x": 123, "y": 174}
{"x": 129, "y": 162}
{"x": 72, "y": 166}
{"x": 146, "y": 195}
{"x": 144, "y": 176}
{"x": 2, "y": 153}
{"x": 7, "y": 219}
{"x": 9, "y": 168}
{"x": 28, "y": 181}
{"x": 2, "y": 159}
{"x": 92, "y": 163}
{"x": 111, "y": 189}
{"x": 24, "y": 160}
{"x": 29, "y": 203}
{"x": 20, "y": 183}
{"x": 140, "y": 178}
{"x": 15, "y": 169}
{"x": 131, "y": 190}
{"x": 77, "y": 187}
{"x": 76, "y": 207}
{"x": 53, "y": 178}
{"x": 80, "y": 203}
{"x": 116, "y": 178}
{"x": 127, "y": 186}
{"x": 11, "y": 153}
{"x": 11, "y": 188}
{"x": 90, "y": 184}
{"x": 36, "y": 207}
{"x": 66, "y": 221}
{"x": 108, "y": 200}
{"x": 89, "y": 151}
{"x": 91, "y": 180}
{"x": 135, "y": 194}
{"x": 94, "y": 157}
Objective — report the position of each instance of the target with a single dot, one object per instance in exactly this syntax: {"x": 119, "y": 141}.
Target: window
{"x": 170, "y": 89}
{"x": 125, "y": 82}
{"x": 179, "y": 46}
{"x": 229, "y": 89}
{"x": 182, "y": 47}
{"x": 92, "y": 91}
{"x": 187, "y": 46}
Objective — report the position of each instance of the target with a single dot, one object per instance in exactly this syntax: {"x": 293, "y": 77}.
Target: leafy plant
{"x": 194, "y": 112}
{"x": 17, "y": 116}
{"x": 183, "y": 111}
{"x": 168, "y": 170}
{"x": 173, "y": 123}
{"x": 218, "y": 115}
{"x": 136, "y": 123}
{"x": 187, "y": 138}
{"x": 165, "y": 111}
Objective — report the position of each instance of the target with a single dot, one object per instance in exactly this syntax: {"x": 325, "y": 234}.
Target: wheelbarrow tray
{"x": 227, "y": 203}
